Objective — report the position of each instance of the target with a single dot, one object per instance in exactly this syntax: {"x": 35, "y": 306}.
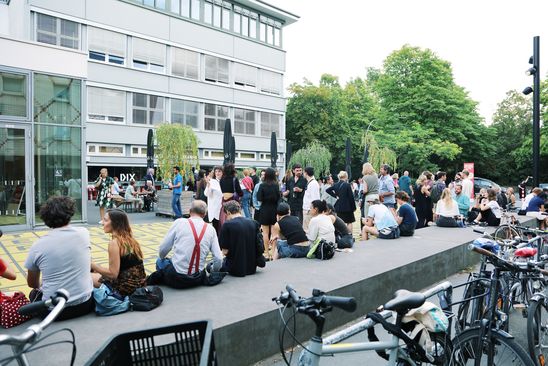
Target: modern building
{"x": 82, "y": 82}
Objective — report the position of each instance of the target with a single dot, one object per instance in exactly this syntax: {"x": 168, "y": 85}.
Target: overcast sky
{"x": 488, "y": 42}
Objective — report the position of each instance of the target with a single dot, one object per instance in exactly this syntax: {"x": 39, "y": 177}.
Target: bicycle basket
{"x": 184, "y": 344}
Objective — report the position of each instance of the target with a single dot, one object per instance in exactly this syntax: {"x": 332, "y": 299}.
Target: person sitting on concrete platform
{"x": 490, "y": 211}
{"x": 191, "y": 240}
{"x": 62, "y": 258}
{"x": 343, "y": 236}
{"x": 463, "y": 201}
{"x": 238, "y": 242}
{"x": 321, "y": 225}
{"x": 405, "y": 216}
{"x": 447, "y": 209}
{"x": 380, "y": 221}
{"x": 288, "y": 236}
{"x": 536, "y": 208}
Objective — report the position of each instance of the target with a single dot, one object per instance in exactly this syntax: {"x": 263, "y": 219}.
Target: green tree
{"x": 315, "y": 155}
{"x": 177, "y": 146}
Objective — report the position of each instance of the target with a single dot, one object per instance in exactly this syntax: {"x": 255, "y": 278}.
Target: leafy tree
{"x": 177, "y": 145}
{"x": 315, "y": 155}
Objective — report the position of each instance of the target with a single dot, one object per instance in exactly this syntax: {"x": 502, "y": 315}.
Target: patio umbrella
{"x": 232, "y": 149}
{"x": 348, "y": 159}
{"x": 227, "y": 140}
{"x": 273, "y": 150}
{"x": 150, "y": 149}
{"x": 288, "y": 152}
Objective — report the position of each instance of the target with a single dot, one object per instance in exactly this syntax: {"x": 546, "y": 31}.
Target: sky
{"x": 487, "y": 42}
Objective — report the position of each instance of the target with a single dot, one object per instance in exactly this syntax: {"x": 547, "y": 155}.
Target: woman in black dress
{"x": 230, "y": 186}
{"x": 423, "y": 202}
{"x": 345, "y": 205}
{"x": 269, "y": 195}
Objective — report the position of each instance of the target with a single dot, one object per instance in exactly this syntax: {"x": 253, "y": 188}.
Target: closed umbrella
{"x": 150, "y": 149}
{"x": 232, "y": 149}
{"x": 348, "y": 159}
{"x": 227, "y": 140}
{"x": 273, "y": 150}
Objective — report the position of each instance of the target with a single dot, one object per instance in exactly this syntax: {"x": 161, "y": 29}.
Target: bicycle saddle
{"x": 525, "y": 252}
{"x": 405, "y": 301}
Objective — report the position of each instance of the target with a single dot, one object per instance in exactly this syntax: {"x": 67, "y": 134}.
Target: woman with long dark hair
{"x": 345, "y": 205}
{"x": 125, "y": 271}
{"x": 268, "y": 195}
{"x": 230, "y": 187}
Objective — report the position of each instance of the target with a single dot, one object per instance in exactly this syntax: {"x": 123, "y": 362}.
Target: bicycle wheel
{"x": 441, "y": 350}
{"x": 468, "y": 346}
{"x": 537, "y": 331}
{"x": 471, "y": 311}
{"x": 505, "y": 232}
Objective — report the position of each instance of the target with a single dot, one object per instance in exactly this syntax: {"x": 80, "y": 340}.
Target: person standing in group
{"x": 287, "y": 177}
{"x": 312, "y": 193}
{"x": 423, "y": 204}
{"x": 177, "y": 188}
{"x": 253, "y": 175}
{"x": 104, "y": 184}
{"x": 386, "y": 188}
{"x": 248, "y": 186}
{"x": 230, "y": 186}
{"x": 149, "y": 175}
{"x": 269, "y": 196}
{"x": 201, "y": 186}
{"x": 370, "y": 187}
{"x": 345, "y": 205}
{"x": 467, "y": 185}
{"x": 214, "y": 197}
{"x": 324, "y": 196}
{"x": 405, "y": 183}
{"x": 256, "y": 202}
{"x": 295, "y": 192}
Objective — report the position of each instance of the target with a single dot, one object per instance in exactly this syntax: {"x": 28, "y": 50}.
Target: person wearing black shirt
{"x": 269, "y": 195}
{"x": 238, "y": 241}
{"x": 343, "y": 236}
{"x": 254, "y": 176}
{"x": 295, "y": 192}
{"x": 288, "y": 237}
{"x": 230, "y": 186}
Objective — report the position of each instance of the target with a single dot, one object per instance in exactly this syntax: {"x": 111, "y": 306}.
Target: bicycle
{"x": 411, "y": 353}
{"x": 28, "y": 341}
{"x": 486, "y": 343}
{"x": 537, "y": 328}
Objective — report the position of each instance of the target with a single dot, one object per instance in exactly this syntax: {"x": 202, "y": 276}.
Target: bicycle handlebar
{"x": 35, "y": 307}
{"x": 319, "y": 300}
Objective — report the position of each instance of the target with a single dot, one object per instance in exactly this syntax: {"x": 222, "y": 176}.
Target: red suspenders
{"x": 195, "y": 259}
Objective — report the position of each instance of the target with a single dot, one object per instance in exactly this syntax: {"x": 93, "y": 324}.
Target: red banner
{"x": 470, "y": 168}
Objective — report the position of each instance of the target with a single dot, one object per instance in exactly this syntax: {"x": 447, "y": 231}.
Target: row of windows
{"x": 108, "y": 105}
{"x": 112, "y": 47}
{"x": 141, "y": 152}
{"x": 224, "y": 15}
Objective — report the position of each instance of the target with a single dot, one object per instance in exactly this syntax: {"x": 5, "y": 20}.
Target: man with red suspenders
{"x": 190, "y": 240}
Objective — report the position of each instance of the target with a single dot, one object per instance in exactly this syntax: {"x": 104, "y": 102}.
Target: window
{"x": 13, "y": 94}
{"x": 244, "y": 121}
{"x": 185, "y": 8}
{"x": 271, "y": 82}
{"x": 262, "y": 30}
{"x": 270, "y": 122}
{"x": 148, "y": 55}
{"x": 184, "y": 112}
{"x": 217, "y": 15}
{"x": 237, "y": 20}
{"x": 107, "y": 150}
{"x": 215, "y": 117}
{"x": 246, "y": 155}
{"x": 175, "y": 6}
{"x": 245, "y": 25}
{"x": 106, "y": 105}
{"x": 139, "y": 151}
{"x": 208, "y": 13}
{"x": 148, "y": 109}
{"x": 56, "y": 31}
{"x": 226, "y": 16}
{"x": 184, "y": 63}
{"x": 269, "y": 34}
{"x": 195, "y": 9}
{"x": 277, "y": 35}
{"x": 216, "y": 69}
{"x": 57, "y": 100}
{"x": 106, "y": 46}
{"x": 253, "y": 25}
{"x": 245, "y": 76}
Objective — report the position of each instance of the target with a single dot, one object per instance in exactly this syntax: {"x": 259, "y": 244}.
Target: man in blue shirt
{"x": 177, "y": 187}
{"x": 386, "y": 187}
{"x": 536, "y": 208}
{"x": 406, "y": 216}
{"x": 462, "y": 200}
{"x": 405, "y": 183}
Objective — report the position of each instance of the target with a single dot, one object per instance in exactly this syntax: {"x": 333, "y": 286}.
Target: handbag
{"x": 9, "y": 305}
{"x": 321, "y": 249}
{"x": 146, "y": 298}
{"x": 235, "y": 195}
{"x": 109, "y": 302}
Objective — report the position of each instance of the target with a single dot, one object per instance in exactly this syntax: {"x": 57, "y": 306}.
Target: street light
{"x": 535, "y": 61}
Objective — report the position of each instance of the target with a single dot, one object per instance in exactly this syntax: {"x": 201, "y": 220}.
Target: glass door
{"x": 15, "y": 210}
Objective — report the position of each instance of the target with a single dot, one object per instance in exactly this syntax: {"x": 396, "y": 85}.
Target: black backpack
{"x": 325, "y": 250}
{"x": 146, "y": 298}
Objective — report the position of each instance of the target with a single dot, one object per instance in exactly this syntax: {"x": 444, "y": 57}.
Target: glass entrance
{"x": 13, "y": 183}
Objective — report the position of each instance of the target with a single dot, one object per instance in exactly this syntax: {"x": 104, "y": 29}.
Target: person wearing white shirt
{"x": 467, "y": 185}
{"x": 190, "y": 240}
{"x": 312, "y": 193}
{"x": 321, "y": 225}
{"x": 214, "y": 196}
{"x": 446, "y": 210}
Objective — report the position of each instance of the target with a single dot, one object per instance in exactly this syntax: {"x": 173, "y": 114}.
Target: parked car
{"x": 480, "y": 183}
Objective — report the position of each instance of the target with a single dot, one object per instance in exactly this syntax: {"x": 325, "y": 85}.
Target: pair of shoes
{"x": 473, "y": 223}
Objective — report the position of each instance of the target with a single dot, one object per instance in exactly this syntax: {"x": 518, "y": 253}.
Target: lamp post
{"x": 535, "y": 72}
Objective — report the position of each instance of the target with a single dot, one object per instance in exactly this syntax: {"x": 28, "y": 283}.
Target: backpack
{"x": 321, "y": 249}
{"x": 437, "y": 190}
{"x": 146, "y": 298}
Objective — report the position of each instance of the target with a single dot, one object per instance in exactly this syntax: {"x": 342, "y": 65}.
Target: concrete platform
{"x": 245, "y": 319}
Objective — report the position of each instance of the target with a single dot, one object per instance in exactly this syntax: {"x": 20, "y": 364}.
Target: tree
{"x": 315, "y": 155}
{"x": 177, "y": 146}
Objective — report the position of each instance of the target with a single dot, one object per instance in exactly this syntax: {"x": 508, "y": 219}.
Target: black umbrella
{"x": 273, "y": 150}
{"x": 288, "y": 152}
{"x": 227, "y": 140}
{"x": 348, "y": 159}
{"x": 232, "y": 149}
{"x": 150, "y": 149}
